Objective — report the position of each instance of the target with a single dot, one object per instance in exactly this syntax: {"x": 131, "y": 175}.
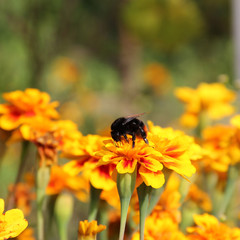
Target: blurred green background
{"x": 106, "y": 59}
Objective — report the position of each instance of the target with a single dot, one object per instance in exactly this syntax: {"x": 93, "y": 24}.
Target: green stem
{"x": 94, "y": 203}
{"x": 154, "y": 198}
{"x": 43, "y": 176}
{"x": 143, "y": 197}
{"x": 24, "y": 152}
{"x": 103, "y": 219}
{"x": 229, "y": 189}
{"x": 125, "y": 185}
{"x": 124, "y": 210}
{"x": 63, "y": 213}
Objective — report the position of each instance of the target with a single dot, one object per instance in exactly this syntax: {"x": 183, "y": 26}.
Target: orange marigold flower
{"x": 12, "y": 222}
{"x": 25, "y": 106}
{"x": 161, "y": 229}
{"x": 61, "y": 179}
{"x": 50, "y": 137}
{"x": 168, "y": 148}
{"x": 208, "y": 227}
{"x": 197, "y": 101}
{"x": 88, "y": 230}
{"x": 127, "y": 159}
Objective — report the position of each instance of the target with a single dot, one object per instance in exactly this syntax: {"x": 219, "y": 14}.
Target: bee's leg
{"x": 143, "y": 134}
{"x": 133, "y": 140}
{"x": 125, "y": 136}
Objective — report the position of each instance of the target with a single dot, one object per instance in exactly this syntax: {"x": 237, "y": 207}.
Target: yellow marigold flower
{"x": 12, "y": 222}
{"x": 61, "y": 179}
{"x": 197, "y": 101}
{"x": 25, "y": 106}
{"x": 161, "y": 229}
{"x": 176, "y": 148}
{"x": 126, "y": 159}
{"x": 208, "y": 227}
{"x": 200, "y": 198}
{"x": 88, "y": 230}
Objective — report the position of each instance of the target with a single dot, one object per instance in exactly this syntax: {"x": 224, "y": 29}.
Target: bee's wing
{"x": 131, "y": 117}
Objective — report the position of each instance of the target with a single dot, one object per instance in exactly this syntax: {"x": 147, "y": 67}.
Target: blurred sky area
{"x": 106, "y": 59}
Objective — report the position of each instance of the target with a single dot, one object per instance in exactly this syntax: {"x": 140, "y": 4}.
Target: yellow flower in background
{"x": 200, "y": 197}
{"x": 169, "y": 202}
{"x": 25, "y": 106}
{"x": 89, "y": 230}
{"x": 221, "y": 146}
{"x": 208, "y": 227}
{"x": 213, "y": 99}
{"x": 234, "y": 149}
{"x": 161, "y": 229}
{"x": 127, "y": 159}
{"x": 12, "y": 222}
{"x": 177, "y": 149}
{"x": 61, "y": 179}
{"x": 66, "y": 70}
{"x": 216, "y": 142}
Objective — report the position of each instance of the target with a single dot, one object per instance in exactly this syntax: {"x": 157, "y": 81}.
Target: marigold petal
{"x": 126, "y": 166}
{"x": 153, "y": 179}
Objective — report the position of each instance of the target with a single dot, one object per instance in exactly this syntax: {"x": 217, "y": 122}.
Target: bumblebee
{"x": 129, "y": 125}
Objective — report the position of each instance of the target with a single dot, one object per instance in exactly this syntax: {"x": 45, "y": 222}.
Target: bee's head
{"x": 116, "y": 136}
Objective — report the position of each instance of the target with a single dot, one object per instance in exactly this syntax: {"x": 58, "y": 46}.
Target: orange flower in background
{"x": 89, "y": 230}
{"x": 12, "y": 222}
{"x": 111, "y": 197}
{"x": 50, "y": 137}
{"x": 61, "y": 179}
{"x": 197, "y": 101}
{"x": 23, "y": 196}
{"x": 200, "y": 198}
{"x": 221, "y": 146}
{"x": 66, "y": 69}
{"x": 208, "y": 227}
{"x": 27, "y": 234}
{"x": 157, "y": 76}
{"x": 24, "y": 106}
{"x": 127, "y": 159}
{"x": 160, "y": 229}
